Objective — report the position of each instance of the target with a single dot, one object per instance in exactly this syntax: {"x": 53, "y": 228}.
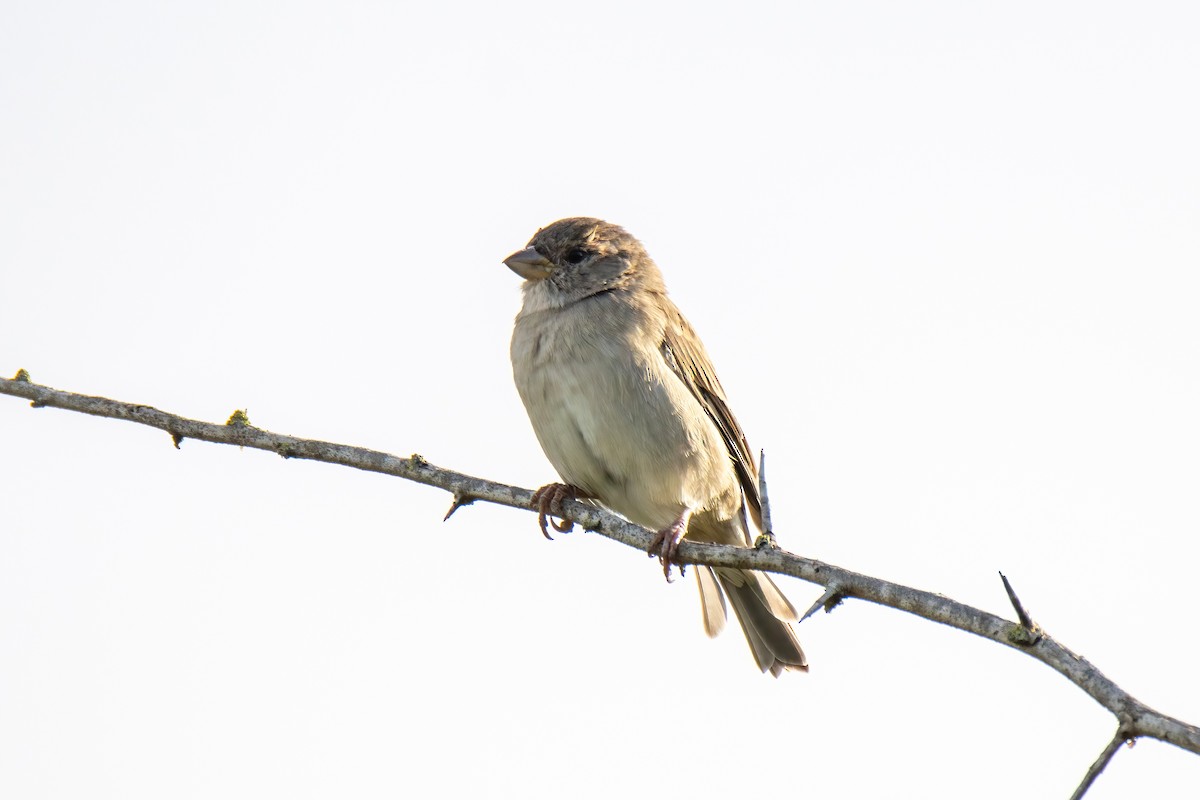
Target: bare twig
{"x": 1137, "y": 719}
{"x": 1100, "y": 763}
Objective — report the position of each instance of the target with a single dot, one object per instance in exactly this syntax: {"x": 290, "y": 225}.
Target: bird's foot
{"x": 666, "y": 542}
{"x": 548, "y": 500}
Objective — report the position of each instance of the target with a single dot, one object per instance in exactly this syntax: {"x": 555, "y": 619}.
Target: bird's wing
{"x": 685, "y": 355}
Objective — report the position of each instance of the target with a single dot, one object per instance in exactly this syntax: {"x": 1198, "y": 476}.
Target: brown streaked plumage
{"x": 628, "y": 408}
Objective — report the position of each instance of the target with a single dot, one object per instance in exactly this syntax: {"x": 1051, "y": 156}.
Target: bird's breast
{"x": 611, "y": 416}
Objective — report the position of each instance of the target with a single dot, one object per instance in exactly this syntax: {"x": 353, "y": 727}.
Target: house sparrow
{"x": 628, "y": 409}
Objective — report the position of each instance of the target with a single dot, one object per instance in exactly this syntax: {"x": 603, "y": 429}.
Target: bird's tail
{"x": 762, "y": 610}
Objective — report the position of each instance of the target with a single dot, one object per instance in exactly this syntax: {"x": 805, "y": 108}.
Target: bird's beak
{"x": 529, "y": 264}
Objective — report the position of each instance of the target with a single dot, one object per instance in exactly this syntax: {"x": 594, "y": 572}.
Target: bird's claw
{"x": 666, "y": 543}
{"x": 548, "y": 500}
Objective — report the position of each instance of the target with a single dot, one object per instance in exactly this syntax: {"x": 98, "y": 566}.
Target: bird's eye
{"x": 575, "y": 255}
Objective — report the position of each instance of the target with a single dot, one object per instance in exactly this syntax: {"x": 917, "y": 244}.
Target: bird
{"x": 627, "y": 407}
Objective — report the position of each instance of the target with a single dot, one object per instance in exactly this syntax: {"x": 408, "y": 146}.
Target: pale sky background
{"x": 945, "y": 257}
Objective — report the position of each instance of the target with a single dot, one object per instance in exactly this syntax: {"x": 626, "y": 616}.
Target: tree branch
{"x": 1121, "y": 737}
{"x": 1134, "y": 717}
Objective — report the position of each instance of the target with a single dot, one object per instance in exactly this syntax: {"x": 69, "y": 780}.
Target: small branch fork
{"x": 1135, "y": 718}
{"x": 1110, "y": 750}
{"x": 1027, "y": 634}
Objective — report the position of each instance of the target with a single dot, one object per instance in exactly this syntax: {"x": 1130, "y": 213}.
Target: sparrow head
{"x": 579, "y": 257}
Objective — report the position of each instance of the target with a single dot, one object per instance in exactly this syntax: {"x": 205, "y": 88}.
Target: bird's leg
{"x": 666, "y": 542}
{"x": 548, "y": 500}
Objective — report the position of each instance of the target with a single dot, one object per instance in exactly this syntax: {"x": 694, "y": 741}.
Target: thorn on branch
{"x": 768, "y": 530}
{"x": 177, "y": 439}
{"x": 460, "y": 499}
{"x": 1027, "y": 633}
{"x": 832, "y": 598}
{"x": 22, "y": 376}
{"x": 1016, "y": 603}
